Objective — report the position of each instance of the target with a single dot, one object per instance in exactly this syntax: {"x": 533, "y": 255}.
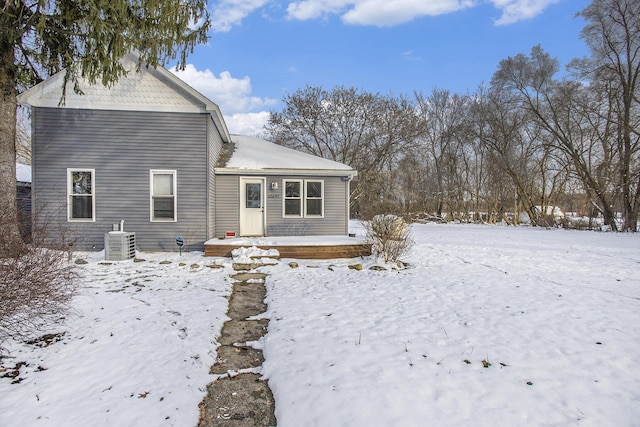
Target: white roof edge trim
{"x": 298, "y": 172}
{"x": 27, "y": 97}
{"x": 211, "y": 106}
{"x": 113, "y": 107}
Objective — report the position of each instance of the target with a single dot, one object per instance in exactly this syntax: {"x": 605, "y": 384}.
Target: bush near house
{"x": 389, "y": 237}
{"x": 37, "y": 283}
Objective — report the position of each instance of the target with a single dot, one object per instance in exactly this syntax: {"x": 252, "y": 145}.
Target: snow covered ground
{"x": 488, "y": 326}
{"x": 136, "y": 351}
{"x": 555, "y": 313}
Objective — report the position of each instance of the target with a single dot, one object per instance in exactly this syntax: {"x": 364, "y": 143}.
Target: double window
{"x": 80, "y": 194}
{"x": 163, "y": 195}
{"x": 303, "y": 198}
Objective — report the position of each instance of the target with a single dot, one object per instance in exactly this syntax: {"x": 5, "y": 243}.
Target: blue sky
{"x": 262, "y": 50}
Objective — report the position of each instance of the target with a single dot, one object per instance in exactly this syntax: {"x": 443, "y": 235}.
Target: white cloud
{"x": 381, "y": 13}
{"x": 232, "y": 95}
{"x": 387, "y": 13}
{"x": 247, "y": 124}
{"x": 311, "y": 9}
{"x": 227, "y": 13}
{"x": 519, "y": 10}
{"x": 410, "y": 55}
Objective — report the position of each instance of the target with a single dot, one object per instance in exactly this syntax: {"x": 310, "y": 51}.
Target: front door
{"x": 252, "y": 206}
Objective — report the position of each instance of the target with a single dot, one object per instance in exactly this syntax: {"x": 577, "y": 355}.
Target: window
{"x": 293, "y": 198}
{"x": 303, "y": 198}
{"x": 253, "y": 195}
{"x": 80, "y": 190}
{"x": 313, "y": 198}
{"x": 163, "y": 195}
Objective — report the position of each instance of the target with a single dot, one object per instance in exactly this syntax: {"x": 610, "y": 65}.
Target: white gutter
{"x": 350, "y": 173}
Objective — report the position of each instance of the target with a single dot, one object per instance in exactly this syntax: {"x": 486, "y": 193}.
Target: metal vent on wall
{"x": 119, "y": 246}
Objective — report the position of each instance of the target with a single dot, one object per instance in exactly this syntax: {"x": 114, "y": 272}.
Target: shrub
{"x": 389, "y": 237}
{"x": 36, "y": 285}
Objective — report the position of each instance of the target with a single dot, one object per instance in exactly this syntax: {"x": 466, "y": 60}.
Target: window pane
{"x": 81, "y": 182}
{"x": 314, "y": 207}
{"x": 81, "y": 207}
{"x": 163, "y": 208}
{"x": 162, "y": 184}
{"x": 292, "y": 207}
{"x": 253, "y": 195}
{"x": 314, "y": 189}
{"x": 292, "y": 189}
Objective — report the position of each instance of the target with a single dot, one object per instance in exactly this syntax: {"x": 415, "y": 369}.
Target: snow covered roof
{"x": 23, "y": 173}
{"x": 259, "y": 156}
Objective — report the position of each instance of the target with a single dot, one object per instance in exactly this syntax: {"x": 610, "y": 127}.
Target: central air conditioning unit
{"x": 119, "y": 246}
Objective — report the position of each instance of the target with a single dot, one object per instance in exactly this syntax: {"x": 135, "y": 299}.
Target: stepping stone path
{"x": 238, "y": 397}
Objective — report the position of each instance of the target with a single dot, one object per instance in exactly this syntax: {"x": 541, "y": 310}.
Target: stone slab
{"x": 242, "y": 331}
{"x": 234, "y": 358}
{"x": 242, "y": 401}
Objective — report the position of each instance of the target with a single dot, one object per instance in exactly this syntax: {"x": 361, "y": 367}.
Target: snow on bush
{"x": 389, "y": 237}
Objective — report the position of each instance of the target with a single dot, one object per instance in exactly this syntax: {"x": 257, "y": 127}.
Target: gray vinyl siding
{"x": 214, "y": 148}
{"x": 227, "y": 204}
{"x": 334, "y": 222}
{"x": 122, "y": 147}
{"x": 335, "y": 210}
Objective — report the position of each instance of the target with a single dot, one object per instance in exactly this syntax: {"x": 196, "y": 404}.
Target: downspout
{"x": 208, "y": 209}
{"x": 347, "y": 204}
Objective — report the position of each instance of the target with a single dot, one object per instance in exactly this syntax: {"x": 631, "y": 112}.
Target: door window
{"x": 253, "y": 196}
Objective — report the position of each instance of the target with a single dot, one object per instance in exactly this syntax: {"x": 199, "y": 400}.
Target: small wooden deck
{"x": 307, "y": 247}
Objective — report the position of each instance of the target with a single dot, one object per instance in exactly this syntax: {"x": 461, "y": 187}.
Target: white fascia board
{"x": 290, "y": 172}
{"x": 36, "y": 96}
{"x": 211, "y": 107}
{"x": 31, "y": 96}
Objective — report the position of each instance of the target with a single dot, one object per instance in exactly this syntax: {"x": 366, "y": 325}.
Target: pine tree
{"x": 87, "y": 38}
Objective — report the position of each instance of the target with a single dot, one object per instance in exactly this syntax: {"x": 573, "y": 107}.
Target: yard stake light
{"x": 180, "y": 242}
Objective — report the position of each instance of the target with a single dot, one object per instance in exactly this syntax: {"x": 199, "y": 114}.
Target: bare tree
{"x": 613, "y": 36}
{"x": 366, "y": 131}
{"x": 575, "y": 117}
{"x": 513, "y": 145}
{"x": 23, "y": 137}
{"x": 442, "y": 116}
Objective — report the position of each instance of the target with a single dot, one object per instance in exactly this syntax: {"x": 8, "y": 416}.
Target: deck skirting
{"x": 296, "y": 251}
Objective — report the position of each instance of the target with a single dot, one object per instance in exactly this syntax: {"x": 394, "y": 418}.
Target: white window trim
{"x": 175, "y": 194}
{"x": 70, "y": 195}
{"x": 300, "y": 198}
{"x": 303, "y": 198}
{"x": 306, "y": 214}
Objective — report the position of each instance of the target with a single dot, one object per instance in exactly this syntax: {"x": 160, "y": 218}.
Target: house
{"x": 23, "y": 198}
{"x": 279, "y": 191}
{"x": 155, "y": 155}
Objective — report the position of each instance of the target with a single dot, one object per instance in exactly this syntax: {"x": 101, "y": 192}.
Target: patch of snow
{"x": 257, "y": 154}
{"x": 554, "y": 211}
{"x": 246, "y": 253}
{"x": 23, "y": 173}
{"x": 487, "y": 325}
{"x": 136, "y": 349}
